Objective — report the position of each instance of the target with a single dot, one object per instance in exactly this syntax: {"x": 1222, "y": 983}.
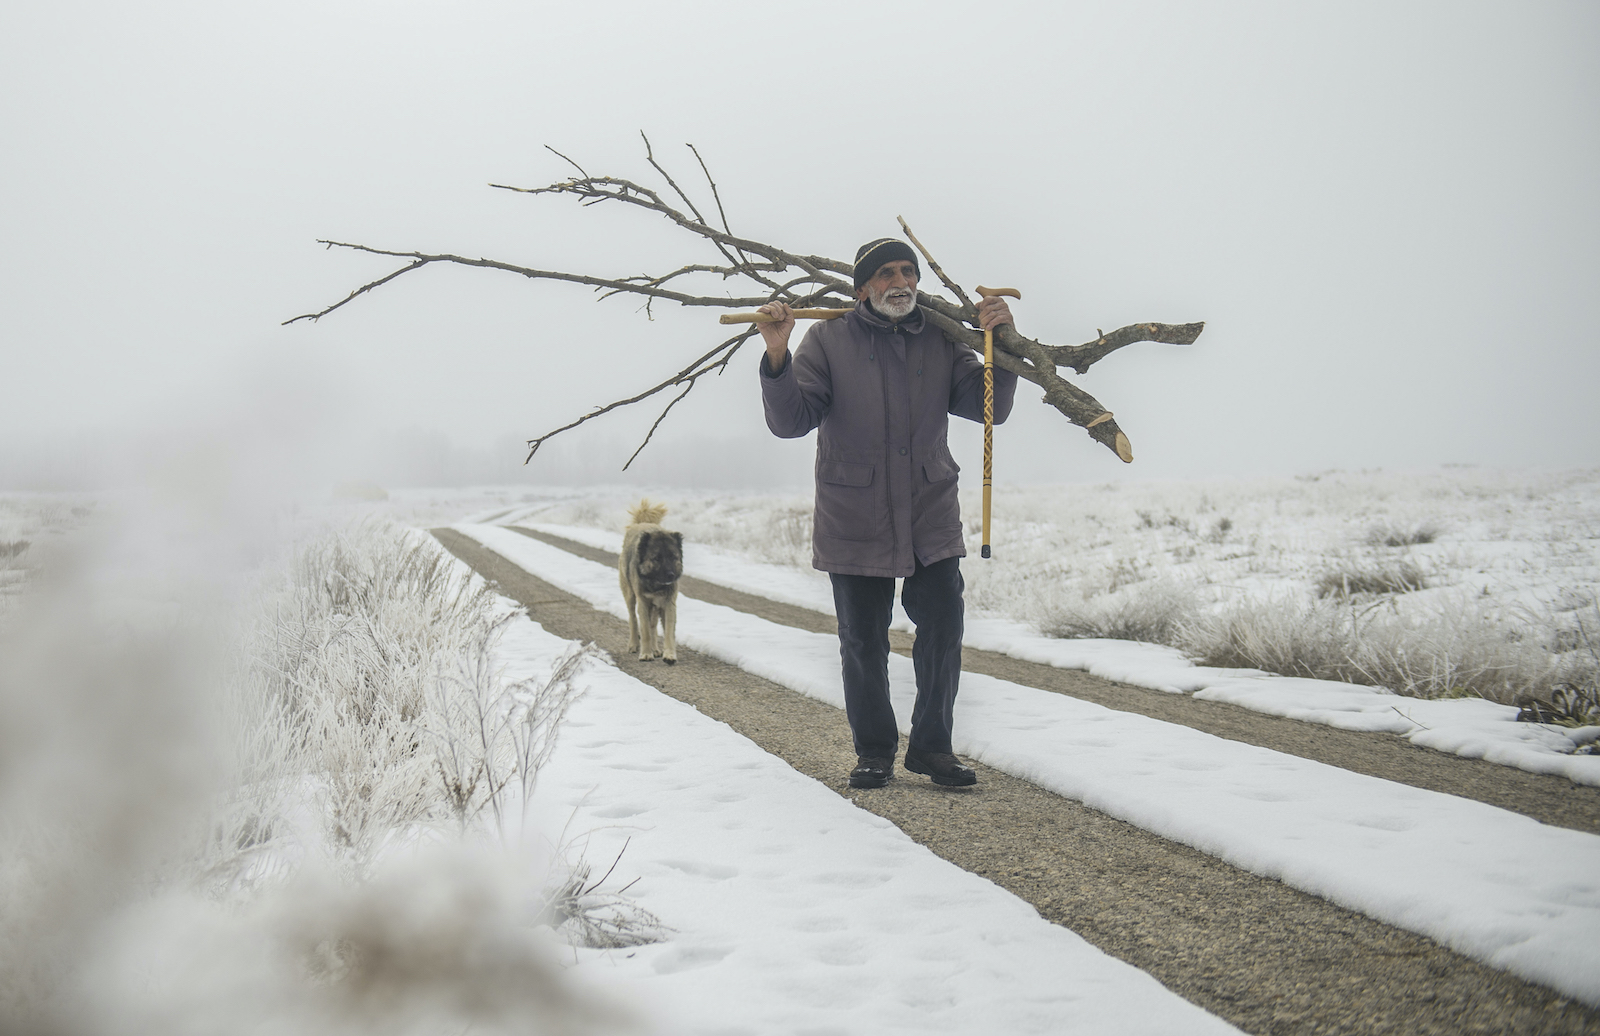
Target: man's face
{"x": 893, "y": 289}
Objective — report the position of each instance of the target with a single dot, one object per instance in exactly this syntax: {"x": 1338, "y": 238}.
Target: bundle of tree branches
{"x": 804, "y": 282}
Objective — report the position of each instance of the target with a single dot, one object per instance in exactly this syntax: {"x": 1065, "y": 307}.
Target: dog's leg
{"x": 628, "y": 600}
{"x": 647, "y": 629}
{"x": 669, "y": 621}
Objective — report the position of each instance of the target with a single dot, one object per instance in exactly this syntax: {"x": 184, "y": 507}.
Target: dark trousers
{"x": 864, "y": 604}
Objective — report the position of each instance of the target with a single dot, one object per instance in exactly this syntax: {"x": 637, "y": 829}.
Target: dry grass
{"x": 594, "y": 917}
{"x": 1465, "y": 652}
{"x": 1389, "y": 534}
{"x": 1358, "y": 579}
{"x": 1152, "y": 614}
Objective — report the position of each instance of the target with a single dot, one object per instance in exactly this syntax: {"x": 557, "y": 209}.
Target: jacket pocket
{"x": 844, "y": 473}
{"x": 940, "y": 468}
{"x": 847, "y": 501}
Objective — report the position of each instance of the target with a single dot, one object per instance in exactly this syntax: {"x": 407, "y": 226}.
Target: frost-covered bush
{"x": 1389, "y": 534}
{"x": 1368, "y": 579}
{"x": 369, "y": 684}
{"x": 1468, "y": 651}
{"x": 1150, "y": 613}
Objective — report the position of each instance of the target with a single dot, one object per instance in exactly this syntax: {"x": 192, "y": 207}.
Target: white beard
{"x": 892, "y": 303}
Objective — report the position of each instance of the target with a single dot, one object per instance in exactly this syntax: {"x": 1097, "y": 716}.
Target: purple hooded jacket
{"x": 881, "y": 395}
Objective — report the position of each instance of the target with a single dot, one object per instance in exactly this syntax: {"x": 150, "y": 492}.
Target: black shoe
{"x": 943, "y": 767}
{"x": 871, "y": 772}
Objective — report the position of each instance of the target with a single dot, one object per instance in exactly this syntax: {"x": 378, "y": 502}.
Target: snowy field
{"x": 706, "y": 914}
{"x": 1440, "y": 584}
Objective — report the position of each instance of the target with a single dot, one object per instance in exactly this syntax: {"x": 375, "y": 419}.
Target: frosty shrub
{"x": 1149, "y": 612}
{"x": 1389, "y": 534}
{"x": 371, "y": 681}
{"x": 338, "y": 681}
{"x": 1574, "y": 701}
{"x": 596, "y": 918}
{"x": 1354, "y": 579}
{"x": 1427, "y": 655}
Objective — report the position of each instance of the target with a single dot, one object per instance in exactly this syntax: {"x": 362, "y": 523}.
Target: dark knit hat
{"x": 874, "y": 254}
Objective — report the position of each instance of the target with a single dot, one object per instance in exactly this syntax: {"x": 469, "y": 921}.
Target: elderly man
{"x": 880, "y": 384}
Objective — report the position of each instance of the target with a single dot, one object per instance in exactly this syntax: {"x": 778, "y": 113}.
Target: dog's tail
{"x": 647, "y": 513}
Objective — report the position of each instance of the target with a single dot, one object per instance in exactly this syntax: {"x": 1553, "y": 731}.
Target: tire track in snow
{"x": 1550, "y": 800}
{"x": 1266, "y": 957}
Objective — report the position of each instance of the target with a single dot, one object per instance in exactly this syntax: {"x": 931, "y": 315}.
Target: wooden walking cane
{"x": 988, "y": 410}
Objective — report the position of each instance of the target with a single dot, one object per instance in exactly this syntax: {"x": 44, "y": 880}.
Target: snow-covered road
{"x": 1493, "y": 885}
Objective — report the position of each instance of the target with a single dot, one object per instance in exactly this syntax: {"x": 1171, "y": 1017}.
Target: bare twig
{"x": 689, "y": 373}
{"x": 420, "y": 262}
{"x": 649, "y": 156}
{"x": 625, "y": 843}
{"x": 581, "y": 171}
{"x": 714, "y": 195}
{"x": 661, "y": 417}
{"x": 933, "y": 264}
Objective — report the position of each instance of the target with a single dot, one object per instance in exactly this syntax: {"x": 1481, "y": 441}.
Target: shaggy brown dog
{"x": 648, "y": 569}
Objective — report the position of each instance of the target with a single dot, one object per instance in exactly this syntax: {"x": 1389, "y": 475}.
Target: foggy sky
{"x": 1386, "y": 213}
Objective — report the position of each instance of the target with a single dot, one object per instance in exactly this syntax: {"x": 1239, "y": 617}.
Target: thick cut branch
{"x": 817, "y": 282}
{"x": 1075, "y": 404}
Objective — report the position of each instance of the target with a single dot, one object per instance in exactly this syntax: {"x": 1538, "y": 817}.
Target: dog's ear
{"x": 678, "y": 536}
{"x": 644, "y": 542}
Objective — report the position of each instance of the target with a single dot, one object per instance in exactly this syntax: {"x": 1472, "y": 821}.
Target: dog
{"x": 648, "y": 570}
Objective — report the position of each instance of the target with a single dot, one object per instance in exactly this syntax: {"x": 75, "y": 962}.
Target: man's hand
{"x": 776, "y": 334}
{"x": 993, "y": 311}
